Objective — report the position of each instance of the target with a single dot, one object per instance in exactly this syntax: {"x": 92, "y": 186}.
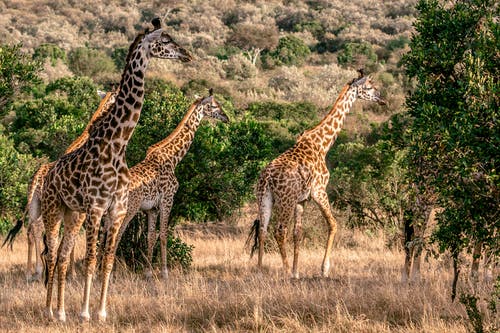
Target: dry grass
{"x": 224, "y": 293}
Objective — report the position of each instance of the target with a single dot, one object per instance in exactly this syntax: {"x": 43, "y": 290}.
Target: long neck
{"x": 117, "y": 126}
{"x": 103, "y": 107}
{"x": 173, "y": 148}
{"x": 325, "y": 133}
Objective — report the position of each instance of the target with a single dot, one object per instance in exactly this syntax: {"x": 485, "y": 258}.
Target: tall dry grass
{"x": 223, "y": 292}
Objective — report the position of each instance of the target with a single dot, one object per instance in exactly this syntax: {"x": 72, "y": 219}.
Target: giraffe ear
{"x": 210, "y": 91}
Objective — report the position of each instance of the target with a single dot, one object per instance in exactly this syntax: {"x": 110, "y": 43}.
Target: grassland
{"x": 223, "y": 292}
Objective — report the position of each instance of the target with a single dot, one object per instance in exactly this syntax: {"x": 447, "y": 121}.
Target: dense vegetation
{"x": 277, "y": 66}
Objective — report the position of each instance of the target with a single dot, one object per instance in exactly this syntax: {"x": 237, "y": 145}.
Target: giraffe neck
{"x": 326, "y": 132}
{"x": 103, "y": 107}
{"x": 116, "y": 127}
{"x": 173, "y": 148}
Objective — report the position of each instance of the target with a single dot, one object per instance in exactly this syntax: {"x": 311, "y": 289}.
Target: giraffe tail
{"x": 13, "y": 232}
{"x": 44, "y": 261}
{"x": 253, "y": 235}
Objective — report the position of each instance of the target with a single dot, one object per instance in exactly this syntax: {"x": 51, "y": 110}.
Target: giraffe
{"x": 300, "y": 173}
{"x": 32, "y": 209}
{"x": 94, "y": 178}
{"x": 153, "y": 184}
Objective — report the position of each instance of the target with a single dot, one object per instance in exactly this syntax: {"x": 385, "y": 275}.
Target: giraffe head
{"x": 365, "y": 89}
{"x": 212, "y": 109}
{"x": 161, "y": 45}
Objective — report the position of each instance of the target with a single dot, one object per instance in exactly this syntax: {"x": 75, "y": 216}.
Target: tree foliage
{"x": 18, "y": 73}
{"x": 455, "y": 132}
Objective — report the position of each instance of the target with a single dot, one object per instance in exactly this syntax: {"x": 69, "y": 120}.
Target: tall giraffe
{"x": 300, "y": 173}
{"x": 94, "y": 178}
{"x": 32, "y": 209}
{"x": 153, "y": 184}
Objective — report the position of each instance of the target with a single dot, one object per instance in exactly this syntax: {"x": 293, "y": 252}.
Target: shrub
{"x": 51, "y": 52}
{"x": 358, "y": 54}
{"x": 291, "y": 51}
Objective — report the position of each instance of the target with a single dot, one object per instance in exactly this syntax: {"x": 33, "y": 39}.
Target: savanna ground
{"x": 223, "y": 291}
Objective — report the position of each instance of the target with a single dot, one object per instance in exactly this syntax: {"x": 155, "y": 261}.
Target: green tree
{"x": 15, "y": 170}
{"x": 455, "y": 133}
{"x": 18, "y": 74}
{"x": 46, "y": 125}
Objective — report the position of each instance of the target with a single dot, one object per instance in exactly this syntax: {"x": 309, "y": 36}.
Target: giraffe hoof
{"x": 61, "y": 316}
{"x": 164, "y": 274}
{"x": 49, "y": 314}
{"x": 85, "y": 316}
{"x": 148, "y": 274}
{"x": 101, "y": 316}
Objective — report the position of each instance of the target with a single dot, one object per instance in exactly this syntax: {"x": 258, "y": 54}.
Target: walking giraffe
{"x": 300, "y": 173}
{"x": 94, "y": 178}
{"x": 153, "y": 184}
{"x": 32, "y": 209}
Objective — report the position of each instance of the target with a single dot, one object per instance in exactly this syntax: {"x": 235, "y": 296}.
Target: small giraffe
{"x": 32, "y": 209}
{"x": 153, "y": 184}
{"x": 94, "y": 178}
{"x": 300, "y": 173}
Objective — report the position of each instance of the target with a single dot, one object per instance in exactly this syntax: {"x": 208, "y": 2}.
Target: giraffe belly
{"x": 149, "y": 204}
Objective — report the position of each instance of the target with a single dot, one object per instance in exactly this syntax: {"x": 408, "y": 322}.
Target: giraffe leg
{"x": 152, "y": 217}
{"x": 92, "y": 230}
{"x": 52, "y": 222}
{"x": 71, "y": 227}
{"x": 29, "y": 266}
{"x": 164, "y": 231}
{"x": 297, "y": 238}
{"x": 37, "y": 241}
{"x": 79, "y": 219}
{"x": 117, "y": 214}
{"x": 265, "y": 210}
{"x": 321, "y": 199}
{"x": 283, "y": 218}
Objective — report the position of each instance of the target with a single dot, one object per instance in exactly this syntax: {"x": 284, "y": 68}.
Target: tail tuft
{"x": 254, "y": 234}
{"x": 12, "y": 233}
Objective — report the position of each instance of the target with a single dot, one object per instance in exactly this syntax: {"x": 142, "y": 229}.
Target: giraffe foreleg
{"x": 92, "y": 231}
{"x": 117, "y": 214}
{"x": 321, "y": 199}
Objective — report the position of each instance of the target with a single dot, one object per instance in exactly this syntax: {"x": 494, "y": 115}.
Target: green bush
{"x": 291, "y": 51}
{"x": 359, "y": 54}
{"x": 51, "y": 52}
